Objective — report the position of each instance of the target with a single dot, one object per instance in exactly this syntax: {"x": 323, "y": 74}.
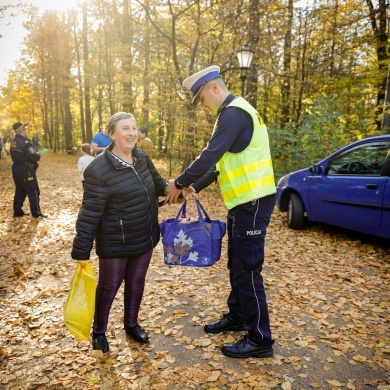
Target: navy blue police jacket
{"x": 22, "y": 151}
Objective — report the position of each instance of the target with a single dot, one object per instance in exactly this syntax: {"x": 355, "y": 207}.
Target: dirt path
{"x": 328, "y": 293}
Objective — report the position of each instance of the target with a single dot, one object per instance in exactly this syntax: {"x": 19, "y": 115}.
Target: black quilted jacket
{"x": 119, "y": 208}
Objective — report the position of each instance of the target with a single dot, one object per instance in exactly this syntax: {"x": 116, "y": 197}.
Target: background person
{"x": 7, "y": 145}
{"x": 100, "y": 141}
{"x": 3, "y": 152}
{"x": 25, "y": 164}
{"x": 119, "y": 211}
{"x": 84, "y": 160}
{"x": 239, "y": 147}
{"x": 36, "y": 142}
{"x": 145, "y": 143}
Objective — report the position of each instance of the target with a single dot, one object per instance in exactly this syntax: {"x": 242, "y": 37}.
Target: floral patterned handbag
{"x": 192, "y": 242}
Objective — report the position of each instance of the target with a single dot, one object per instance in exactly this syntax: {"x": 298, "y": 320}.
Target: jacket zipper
{"x": 147, "y": 194}
{"x": 123, "y": 233}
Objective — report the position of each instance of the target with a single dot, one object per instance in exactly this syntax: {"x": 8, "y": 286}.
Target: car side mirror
{"x": 316, "y": 169}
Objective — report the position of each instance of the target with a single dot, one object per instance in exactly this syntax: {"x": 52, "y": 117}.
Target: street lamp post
{"x": 245, "y": 57}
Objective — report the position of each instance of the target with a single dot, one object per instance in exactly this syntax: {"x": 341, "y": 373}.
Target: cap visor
{"x": 195, "y": 99}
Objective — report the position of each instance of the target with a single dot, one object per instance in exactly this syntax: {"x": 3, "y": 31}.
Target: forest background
{"x": 318, "y": 77}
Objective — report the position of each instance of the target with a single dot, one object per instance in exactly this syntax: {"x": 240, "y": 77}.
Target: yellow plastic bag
{"x": 80, "y": 304}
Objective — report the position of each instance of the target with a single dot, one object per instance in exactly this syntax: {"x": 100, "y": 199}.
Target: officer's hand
{"x": 188, "y": 192}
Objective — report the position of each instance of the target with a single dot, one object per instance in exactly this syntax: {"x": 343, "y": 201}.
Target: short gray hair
{"x": 115, "y": 119}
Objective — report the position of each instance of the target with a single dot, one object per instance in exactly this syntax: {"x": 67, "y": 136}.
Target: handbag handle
{"x": 199, "y": 207}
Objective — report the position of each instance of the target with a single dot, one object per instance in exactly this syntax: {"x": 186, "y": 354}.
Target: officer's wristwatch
{"x": 178, "y": 185}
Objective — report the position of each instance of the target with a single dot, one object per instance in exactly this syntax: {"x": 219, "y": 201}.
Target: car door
{"x": 350, "y": 191}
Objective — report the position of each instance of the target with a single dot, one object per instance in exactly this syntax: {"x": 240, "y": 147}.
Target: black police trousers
{"x": 26, "y": 184}
{"x": 246, "y": 226}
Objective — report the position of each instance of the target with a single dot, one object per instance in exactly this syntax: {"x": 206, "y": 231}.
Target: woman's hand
{"x": 83, "y": 263}
{"x": 172, "y": 194}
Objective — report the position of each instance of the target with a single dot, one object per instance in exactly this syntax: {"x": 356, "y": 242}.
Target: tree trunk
{"x": 146, "y": 77}
{"x": 381, "y": 36}
{"x": 127, "y": 65}
{"x": 386, "y": 113}
{"x": 254, "y": 39}
{"x": 87, "y": 77}
{"x": 67, "y": 123}
{"x": 80, "y": 86}
{"x": 286, "y": 83}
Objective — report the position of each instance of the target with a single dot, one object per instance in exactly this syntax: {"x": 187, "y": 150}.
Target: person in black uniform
{"x": 239, "y": 149}
{"x": 25, "y": 164}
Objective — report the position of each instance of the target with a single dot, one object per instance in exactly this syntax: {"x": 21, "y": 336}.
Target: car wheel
{"x": 295, "y": 212}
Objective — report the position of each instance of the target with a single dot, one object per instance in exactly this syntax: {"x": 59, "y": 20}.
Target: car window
{"x": 363, "y": 160}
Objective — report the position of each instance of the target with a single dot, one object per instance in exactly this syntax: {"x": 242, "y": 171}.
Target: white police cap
{"x": 197, "y": 81}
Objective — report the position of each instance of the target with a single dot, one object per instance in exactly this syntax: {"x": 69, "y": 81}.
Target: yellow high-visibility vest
{"x": 247, "y": 175}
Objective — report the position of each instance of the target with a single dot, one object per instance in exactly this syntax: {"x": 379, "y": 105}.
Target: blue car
{"x": 350, "y": 189}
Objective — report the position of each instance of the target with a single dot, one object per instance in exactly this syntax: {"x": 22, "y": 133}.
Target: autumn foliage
{"x": 328, "y": 294}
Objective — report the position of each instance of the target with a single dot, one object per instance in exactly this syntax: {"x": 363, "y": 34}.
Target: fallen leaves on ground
{"x": 328, "y": 294}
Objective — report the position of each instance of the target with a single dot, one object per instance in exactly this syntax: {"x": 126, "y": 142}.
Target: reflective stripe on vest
{"x": 244, "y": 176}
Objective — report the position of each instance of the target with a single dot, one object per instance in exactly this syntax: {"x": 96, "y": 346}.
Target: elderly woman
{"x": 119, "y": 211}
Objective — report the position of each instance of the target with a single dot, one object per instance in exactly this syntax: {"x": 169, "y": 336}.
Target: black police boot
{"x": 22, "y": 214}
{"x": 224, "y": 325}
{"x": 244, "y": 348}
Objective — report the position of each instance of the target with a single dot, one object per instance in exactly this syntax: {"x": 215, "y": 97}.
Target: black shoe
{"x": 100, "y": 343}
{"x": 244, "y": 348}
{"x": 137, "y": 333}
{"x": 40, "y": 216}
{"x": 223, "y": 325}
{"x": 21, "y": 215}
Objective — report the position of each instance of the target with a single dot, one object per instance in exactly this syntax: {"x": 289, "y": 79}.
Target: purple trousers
{"x": 112, "y": 272}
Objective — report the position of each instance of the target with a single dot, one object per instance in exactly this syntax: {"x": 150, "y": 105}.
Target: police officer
{"x": 25, "y": 163}
{"x": 239, "y": 148}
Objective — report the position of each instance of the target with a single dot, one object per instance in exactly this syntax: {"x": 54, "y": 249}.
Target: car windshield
{"x": 364, "y": 159}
